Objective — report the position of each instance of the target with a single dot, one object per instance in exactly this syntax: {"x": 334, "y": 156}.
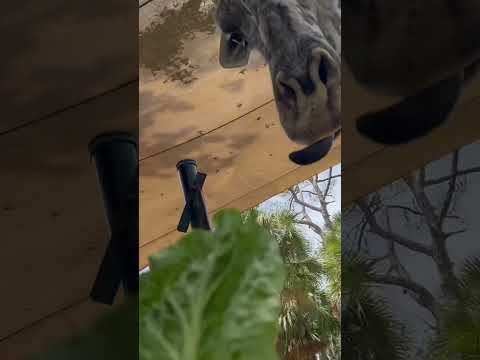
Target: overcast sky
{"x": 281, "y": 201}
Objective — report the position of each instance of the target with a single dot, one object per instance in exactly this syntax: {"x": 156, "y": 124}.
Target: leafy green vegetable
{"x": 213, "y": 295}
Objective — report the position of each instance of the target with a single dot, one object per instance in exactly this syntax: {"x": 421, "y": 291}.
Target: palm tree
{"x": 369, "y": 329}
{"x": 330, "y": 257}
{"x": 308, "y": 326}
{"x": 458, "y": 329}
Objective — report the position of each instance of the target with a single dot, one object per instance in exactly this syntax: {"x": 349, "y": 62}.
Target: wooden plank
{"x": 173, "y": 114}
{"x": 203, "y": 104}
{"x": 54, "y": 231}
{"x": 239, "y": 158}
{"x": 388, "y": 164}
{"x": 86, "y": 49}
{"x": 51, "y": 330}
{"x": 183, "y": 90}
{"x": 207, "y": 113}
{"x": 356, "y": 101}
{"x": 151, "y": 11}
{"x": 249, "y": 200}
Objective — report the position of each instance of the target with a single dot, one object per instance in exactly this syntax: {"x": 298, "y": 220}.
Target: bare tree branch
{"x": 361, "y": 233}
{"x": 325, "y": 180}
{"x": 306, "y": 220}
{"x": 406, "y": 208}
{"x": 323, "y": 204}
{"x": 377, "y": 229}
{"x": 402, "y": 278}
{"x": 309, "y": 192}
{"x": 295, "y": 214}
{"x": 327, "y": 189}
{"x": 439, "y": 254}
{"x": 419, "y": 213}
{"x": 311, "y": 225}
{"x": 392, "y": 271}
{"x": 303, "y": 203}
{"x": 448, "y": 177}
{"x": 450, "y": 234}
{"x": 431, "y": 326}
{"x": 423, "y": 202}
{"x": 423, "y": 296}
{"x": 451, "y": 189}
{"x": 297, "y": 198}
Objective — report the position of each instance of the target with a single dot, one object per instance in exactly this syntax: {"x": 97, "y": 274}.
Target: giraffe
{"x": 301, "y": 43}
{"x": 422, "y": 51}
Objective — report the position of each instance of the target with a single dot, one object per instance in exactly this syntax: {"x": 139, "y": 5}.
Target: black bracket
{"x": 116, "y": 159}
{"x": 195, "y": 212}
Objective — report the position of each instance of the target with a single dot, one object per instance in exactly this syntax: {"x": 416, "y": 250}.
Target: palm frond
{"x": 307, "y": 319}
{"x": 369, "y": 328}
{"x": 458, "y": 334}
{"x": 370, "y": 331}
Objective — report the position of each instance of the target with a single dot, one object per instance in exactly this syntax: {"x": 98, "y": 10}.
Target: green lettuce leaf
{"x": 213, "y": 295}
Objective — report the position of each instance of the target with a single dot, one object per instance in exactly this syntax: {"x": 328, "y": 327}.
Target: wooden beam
{"x": 54, "y": 231}
{"x": 248, "y": 200}
{"x": 48, "y": 40}
{"x": 391, "y": 163}
{"x": 50, "y": 330}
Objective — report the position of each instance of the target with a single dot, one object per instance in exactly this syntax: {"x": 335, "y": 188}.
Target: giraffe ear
{"x": 234, "y": 51}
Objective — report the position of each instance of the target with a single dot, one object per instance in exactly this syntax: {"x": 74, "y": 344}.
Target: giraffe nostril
{"x": 323, "y": 70}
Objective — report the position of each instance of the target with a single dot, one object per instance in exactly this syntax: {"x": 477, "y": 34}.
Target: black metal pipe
{"x": 189, "y": 177}
{"x": 116, "y": 160}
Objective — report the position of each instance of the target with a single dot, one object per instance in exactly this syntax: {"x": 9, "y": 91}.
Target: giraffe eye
{"x": 234, "y": 50}
{"x": 236, "y": 39}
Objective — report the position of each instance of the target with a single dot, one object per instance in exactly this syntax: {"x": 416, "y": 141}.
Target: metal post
{"x": 195, "y": 211}
{"x": 116, "y": 160}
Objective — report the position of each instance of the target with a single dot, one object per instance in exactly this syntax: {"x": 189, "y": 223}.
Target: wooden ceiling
{"x": 61, "y": 86}
{"x": 227, "y": 121}
{"x": 367, "y": 166}
{"x": 192, "y": 108}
